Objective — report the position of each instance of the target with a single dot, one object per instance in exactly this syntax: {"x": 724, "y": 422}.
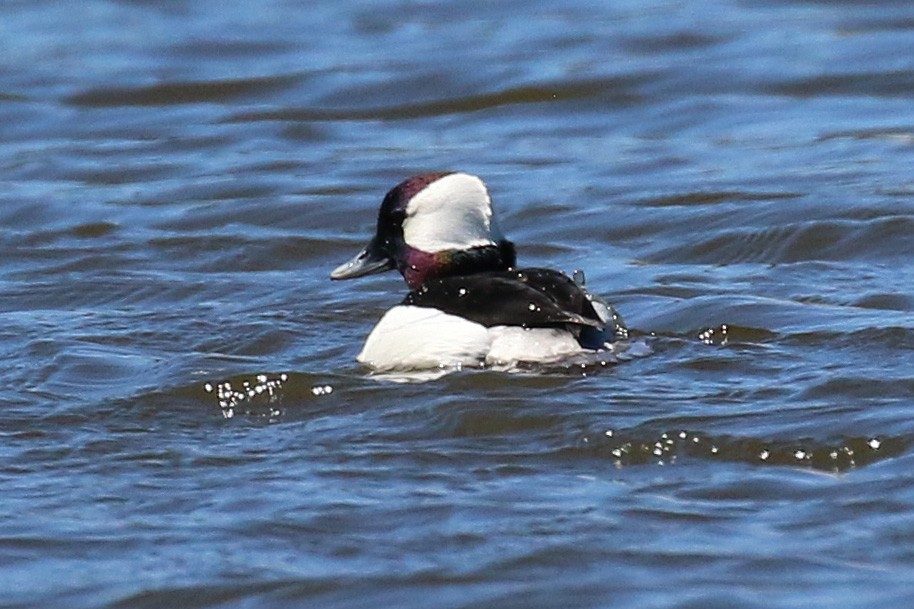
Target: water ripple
{"x": 187, "y": 92}
{"x": 895, "y": 83}
{"x": 878, "y": 239}
{"x": 621, "y": 90}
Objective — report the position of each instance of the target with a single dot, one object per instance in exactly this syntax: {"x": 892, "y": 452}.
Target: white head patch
{"x": 454, "y": 212}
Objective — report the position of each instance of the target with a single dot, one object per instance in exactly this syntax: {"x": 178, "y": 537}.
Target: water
{"x": 179, "y": 178}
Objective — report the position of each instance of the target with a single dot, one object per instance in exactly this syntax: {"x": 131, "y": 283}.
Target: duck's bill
{"x": 368, "y": 262}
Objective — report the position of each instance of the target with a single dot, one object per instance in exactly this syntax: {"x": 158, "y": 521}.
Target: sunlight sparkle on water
{"x": 262, "y": 388}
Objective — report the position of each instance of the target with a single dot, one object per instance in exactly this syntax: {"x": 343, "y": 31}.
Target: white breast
{"x": 409, "y": 338}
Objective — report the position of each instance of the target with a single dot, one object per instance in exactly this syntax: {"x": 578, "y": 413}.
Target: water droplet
{"x": 322, "y": 389}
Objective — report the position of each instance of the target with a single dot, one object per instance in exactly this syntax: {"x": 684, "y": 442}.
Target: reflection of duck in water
{"x": 468, "y": 303}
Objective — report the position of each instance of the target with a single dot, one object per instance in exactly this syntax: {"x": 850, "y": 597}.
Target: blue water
{"x": 179, "y": 179}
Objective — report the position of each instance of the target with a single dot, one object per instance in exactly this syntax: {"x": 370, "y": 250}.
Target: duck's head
{"x": 433, "y": 225}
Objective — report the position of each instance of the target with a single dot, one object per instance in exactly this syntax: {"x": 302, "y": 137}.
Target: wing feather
{"x": 532, "y": 298}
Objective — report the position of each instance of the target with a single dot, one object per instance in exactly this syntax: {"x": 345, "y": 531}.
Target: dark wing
{"x": 532, "y": 298}
{"x": 562, "y": 289}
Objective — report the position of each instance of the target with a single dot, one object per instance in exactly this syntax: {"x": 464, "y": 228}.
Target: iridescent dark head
{"x": 433, "y": 225}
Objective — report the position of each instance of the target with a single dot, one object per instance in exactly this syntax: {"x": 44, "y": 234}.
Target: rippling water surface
{"x": 179, "y": 178}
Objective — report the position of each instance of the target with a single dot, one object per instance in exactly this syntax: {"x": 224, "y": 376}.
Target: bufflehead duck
{"x": 468, "y": 305}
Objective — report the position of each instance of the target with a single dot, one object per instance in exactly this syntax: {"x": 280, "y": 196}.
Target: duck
{"x": 468, "y": 304}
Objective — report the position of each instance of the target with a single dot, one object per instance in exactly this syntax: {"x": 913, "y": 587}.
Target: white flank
{"x": 419, "y": 338}
{"x": 454, "y": 212}
{"x": 513, "y": 344}
{"x": 412, "y": 339}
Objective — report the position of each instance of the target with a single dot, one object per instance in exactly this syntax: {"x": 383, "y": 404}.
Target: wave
{"x": 527, "y": 431}
{"x": 883, "y": 238}
{"x": 183, "y": 92}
